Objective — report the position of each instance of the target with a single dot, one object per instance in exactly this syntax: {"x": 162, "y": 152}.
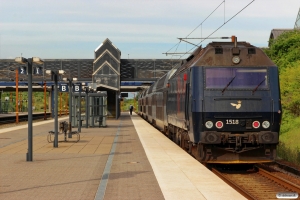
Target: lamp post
{"x": 79, "y": 114}
{"x": 45, "y": 107}
{"x": 70, "y": 102}
{"x": 17, "y": 96}
{"x": 87, "y": 90}
{"x": 65, "y": 106}
{"x": 29, "y": 62}
{"x": 60, "y": 102}
{"x": 54, "y": 76}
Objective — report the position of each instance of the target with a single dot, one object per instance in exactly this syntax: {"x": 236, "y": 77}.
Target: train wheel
{"x": 177, "y": 139}
{"x": 190, "y": 148}
{"x": 182, "y": 141}
{"x": 199, "y": 152}
{"x": 187, "y": 145}
{"x": 169, "y": 134}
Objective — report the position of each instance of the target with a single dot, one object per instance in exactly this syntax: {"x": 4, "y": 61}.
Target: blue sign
{"x": 63, "y": 88}
{"x": 22, "y": 70}
{"x": 38, "y": 71}
{"x": 77, "y": 87}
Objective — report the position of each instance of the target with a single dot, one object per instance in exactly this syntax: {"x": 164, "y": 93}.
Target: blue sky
{"x": 139, "y": 28}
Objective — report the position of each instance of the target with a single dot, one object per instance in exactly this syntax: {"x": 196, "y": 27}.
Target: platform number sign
{"x": 22, "y": 70}
{"x": 63, "y": 88}
{"x": 37, "y": 71}
{"x": 77, "y": 87}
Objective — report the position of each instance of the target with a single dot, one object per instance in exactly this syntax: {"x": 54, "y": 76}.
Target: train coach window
{"x": 236, "y": 78}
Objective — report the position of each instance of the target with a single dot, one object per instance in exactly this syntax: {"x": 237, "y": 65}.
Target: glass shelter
{"x": 89, "y": 109}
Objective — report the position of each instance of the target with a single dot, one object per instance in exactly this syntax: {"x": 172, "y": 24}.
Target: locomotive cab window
{"x": 236, "y": 78}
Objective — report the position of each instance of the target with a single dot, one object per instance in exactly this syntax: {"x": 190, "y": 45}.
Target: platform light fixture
{"x": 21, "y": 60}
{"x": 67, "y": 79}
{"x": 61, "y": 72}
{"x": 29, "y": 62}
{"x": 48, "y": 72}
{"x": 37, "y": 60}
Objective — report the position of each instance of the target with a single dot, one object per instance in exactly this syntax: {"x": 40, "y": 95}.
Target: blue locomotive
{"x": 221, "y": 104}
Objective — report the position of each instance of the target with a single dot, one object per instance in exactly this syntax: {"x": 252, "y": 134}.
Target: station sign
{"x": 22, "y": 70}
{"x": 38, "y": 71}
{"x": 77, "y": 87}
{"x": 64, "y": 88}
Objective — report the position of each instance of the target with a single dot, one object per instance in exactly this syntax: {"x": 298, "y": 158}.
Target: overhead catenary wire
{"x": 225, "y": 22}
{"x": 176, "y": 49}
{"x": 199, "y": 25}
{"x": 204, "y": 38}
{"x": 205, "y": 19}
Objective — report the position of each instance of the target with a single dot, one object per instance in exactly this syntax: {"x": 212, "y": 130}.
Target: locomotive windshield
{"x": 236, "y": 78}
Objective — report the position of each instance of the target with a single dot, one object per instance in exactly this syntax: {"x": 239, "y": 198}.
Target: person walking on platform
{"x": 130, "y": 109}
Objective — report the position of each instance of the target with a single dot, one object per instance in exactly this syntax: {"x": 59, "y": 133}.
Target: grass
{"x": 289, "y": 146}
{"x": 286, "y": 153}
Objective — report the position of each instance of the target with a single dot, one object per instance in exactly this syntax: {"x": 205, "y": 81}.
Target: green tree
{"x": 290, "y": 89}
{"x": 285, "y": 50}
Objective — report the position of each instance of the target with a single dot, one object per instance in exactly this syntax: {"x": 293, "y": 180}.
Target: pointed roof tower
{"x": 106, "y": 66}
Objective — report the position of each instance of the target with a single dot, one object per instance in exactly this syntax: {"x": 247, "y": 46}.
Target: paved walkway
{"x": 129, "y": 159}
{"x": 74, "y": 170}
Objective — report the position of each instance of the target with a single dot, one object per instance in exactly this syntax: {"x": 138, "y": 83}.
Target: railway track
{"x": 4, "y": 120}
{"x": 258, "y": 183}
{"x": 281, "y": 166}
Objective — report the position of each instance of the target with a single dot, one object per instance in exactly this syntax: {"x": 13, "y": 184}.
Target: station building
{"x": 106, "y": 72}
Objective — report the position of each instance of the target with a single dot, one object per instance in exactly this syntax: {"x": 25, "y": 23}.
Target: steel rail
{"x": 288, "y": 168}
{"x": 279, "y": 180}
{"x": 232, "y": 184}
{"x": 22, "y": 118}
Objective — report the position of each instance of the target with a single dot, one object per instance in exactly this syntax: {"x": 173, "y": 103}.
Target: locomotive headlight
{"x": 265, "y": 124}
{"x": 209, "y": 124}
{"x": 236, "y": 59}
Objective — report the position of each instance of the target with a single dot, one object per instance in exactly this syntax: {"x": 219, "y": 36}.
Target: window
{"x": 236, "y": 78}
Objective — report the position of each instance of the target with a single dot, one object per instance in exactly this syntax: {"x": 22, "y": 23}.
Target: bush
{"x": 285, "y": 52}
{"x": 290, "y": 89}
{"x": 285, "y": 49}
{"x": 286, "y": 153}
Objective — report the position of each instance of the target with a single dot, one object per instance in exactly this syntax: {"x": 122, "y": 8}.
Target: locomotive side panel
{"x": 176, "y": 100}
{"x": 197, "y": 102}
{"x": 276, "y": 99}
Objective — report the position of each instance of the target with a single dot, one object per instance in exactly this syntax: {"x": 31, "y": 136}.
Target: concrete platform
{"x": 127, "y": 160}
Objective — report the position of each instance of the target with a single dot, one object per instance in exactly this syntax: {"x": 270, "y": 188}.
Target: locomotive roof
{"x": 221, "y": 54}
{"x": 230, "y": 44}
